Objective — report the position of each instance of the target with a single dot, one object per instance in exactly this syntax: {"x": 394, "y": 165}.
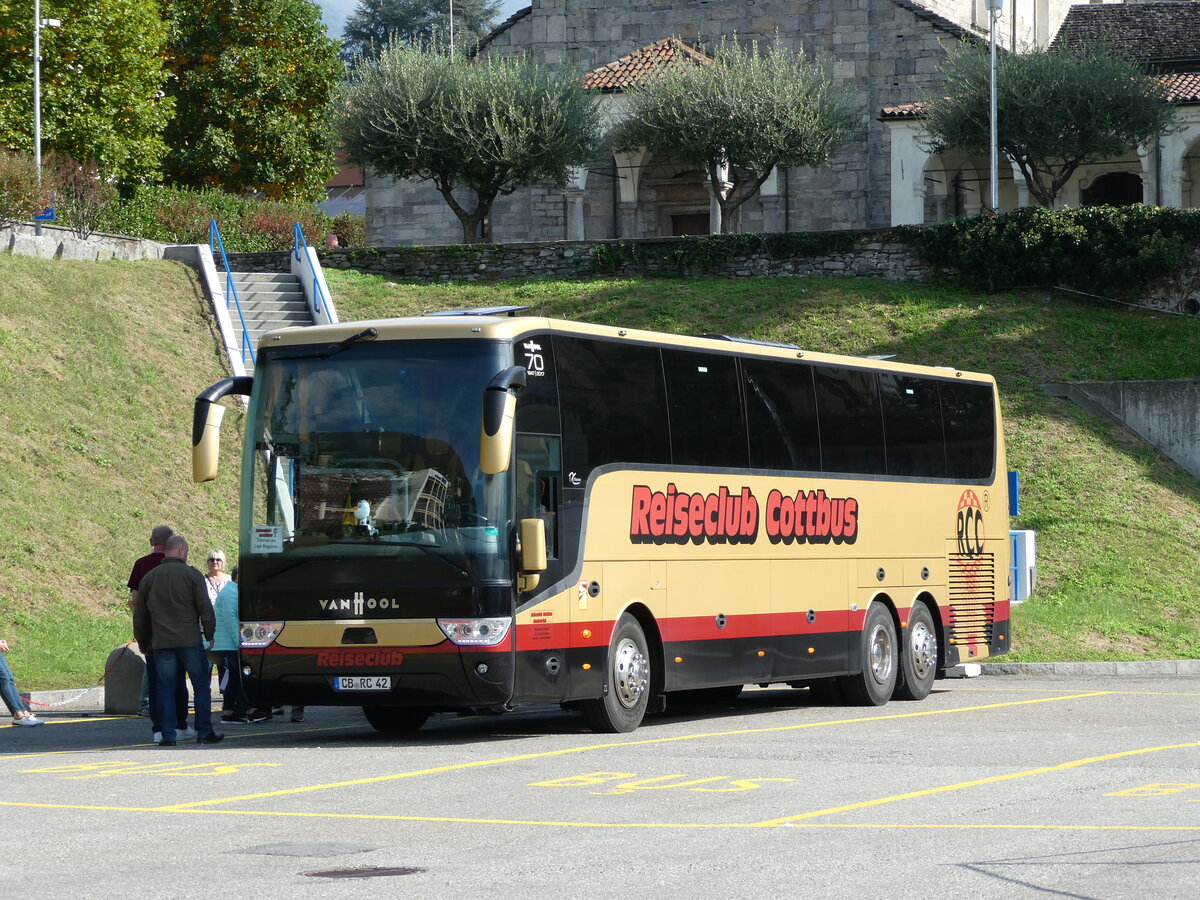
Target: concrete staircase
{"x": 269, "y": 300}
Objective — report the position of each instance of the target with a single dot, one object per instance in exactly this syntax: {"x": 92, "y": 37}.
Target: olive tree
{"x": 1055, "y": 109}
{"x": 478, "y": 126}
{"x": 738, "y": 117}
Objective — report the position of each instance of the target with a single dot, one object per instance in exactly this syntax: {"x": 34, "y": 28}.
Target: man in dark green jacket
{"x": 174, "y": 618}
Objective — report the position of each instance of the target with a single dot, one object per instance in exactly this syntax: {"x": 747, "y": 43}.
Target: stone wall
{"x": 62, "y": 243}
{"x": 874, "y": 254}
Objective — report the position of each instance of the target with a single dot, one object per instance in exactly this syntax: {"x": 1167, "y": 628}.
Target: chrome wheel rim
{"x": 922, "y": 650}
{"x": 631, "y": 672}
{"x": 881, "y": 656}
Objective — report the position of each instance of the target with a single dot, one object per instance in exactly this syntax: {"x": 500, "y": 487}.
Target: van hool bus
{"x": 472, "y": 510}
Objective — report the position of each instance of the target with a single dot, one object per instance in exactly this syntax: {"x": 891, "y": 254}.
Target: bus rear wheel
{"x": 395, "y": 719}
{"x": 918, "y": 656}
{"x": 873, "y": 686}
{"x": 623, "y": 705}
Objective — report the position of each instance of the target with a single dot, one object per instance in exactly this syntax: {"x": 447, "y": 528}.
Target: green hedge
{"x": 178, "y": 216}
{"x": 1106, "y": 249}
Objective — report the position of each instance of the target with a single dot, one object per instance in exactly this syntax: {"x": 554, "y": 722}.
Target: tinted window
{"x": 537, "y": 402}
{"x": 781, "y": 413}
{"x": 613, "y": 404}
{"x": 912, "y": 424}
{"x": 969, "y": 421}
{"x": 851, "y": 424}
{"x": 705, "y": 409}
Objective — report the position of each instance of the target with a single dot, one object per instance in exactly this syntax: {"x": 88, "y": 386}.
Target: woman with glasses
{"x": 215, "y": 577}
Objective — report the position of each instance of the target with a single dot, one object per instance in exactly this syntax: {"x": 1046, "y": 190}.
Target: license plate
{"x": 362, "y": 682}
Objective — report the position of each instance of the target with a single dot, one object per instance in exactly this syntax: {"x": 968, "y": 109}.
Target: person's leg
{"x": 235, "y": 693}
{"x": 144, "y": 700}
{"x": 8, "y": 690}
{"x": 153, "y": 693}
{"x": 200, "y": 672}
{"x": 166, "y": 671}
{"x": 181, "y": 697}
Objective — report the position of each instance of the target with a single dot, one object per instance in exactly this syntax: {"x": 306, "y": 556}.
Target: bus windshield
{"x": 372, "y": 449}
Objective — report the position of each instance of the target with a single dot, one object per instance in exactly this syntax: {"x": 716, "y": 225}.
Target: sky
{"x": 337, "y": 11}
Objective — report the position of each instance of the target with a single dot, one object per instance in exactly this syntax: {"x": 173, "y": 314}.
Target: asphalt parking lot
{"x": 1000, "y": 786}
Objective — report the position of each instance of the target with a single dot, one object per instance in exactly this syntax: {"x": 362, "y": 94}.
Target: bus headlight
{"x": 259, "y": 634}
{"x": 485, "y": 632}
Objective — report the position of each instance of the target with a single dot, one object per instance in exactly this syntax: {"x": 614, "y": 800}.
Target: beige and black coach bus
{"x": 474, "y": 510}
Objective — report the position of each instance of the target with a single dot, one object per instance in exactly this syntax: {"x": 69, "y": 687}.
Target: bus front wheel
{"x": 918, "y": 656}
{"x": 395, "y": 719}
{"x": 623, "y": 705}
{"x": 879, "y": 657}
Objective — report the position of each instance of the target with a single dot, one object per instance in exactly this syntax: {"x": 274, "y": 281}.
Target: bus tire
{"x": 395, "y": 719}
{"x": 879, "y": 657}
{"x": 918, "y": 656}
{"x": 623, "y": 706}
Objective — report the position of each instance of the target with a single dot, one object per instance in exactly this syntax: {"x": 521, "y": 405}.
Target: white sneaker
{"x": 28, "y": 721}
{"x": 157, "y": 736}
{"x": 185, "y": 734}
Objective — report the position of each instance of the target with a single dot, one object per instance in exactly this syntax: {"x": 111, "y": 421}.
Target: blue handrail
{"x": 298, "y": 242}
{"x": 215, "y": 243}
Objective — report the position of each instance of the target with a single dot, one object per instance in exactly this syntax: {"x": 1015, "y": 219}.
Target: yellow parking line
{"x": 5, "y": 757}
{"x": 976, "y": 783}
{"x": 634, "y": 743}
{"x": 679, "y": 826}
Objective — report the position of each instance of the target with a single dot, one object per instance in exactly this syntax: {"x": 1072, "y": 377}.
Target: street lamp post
{"x": 38, "y": 24}
{"x": 993, "y": 8}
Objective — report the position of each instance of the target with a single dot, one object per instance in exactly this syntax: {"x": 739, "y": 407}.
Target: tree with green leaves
{"x": 422, "y": 23}
{"x": 102, "y": 79}
{"x": 252, "y": 84}
{"x": 739, "y": 117}
{"x": 479, "y": 126}
{"x": 1056, "y": 109}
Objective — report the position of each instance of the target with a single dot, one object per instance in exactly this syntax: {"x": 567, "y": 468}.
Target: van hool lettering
{"x": 356, "y": 604}
{"x": 678, "y": 517}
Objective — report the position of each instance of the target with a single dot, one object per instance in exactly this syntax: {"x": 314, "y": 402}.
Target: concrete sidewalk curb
{"x": 92, "y": 698}
{"x": 1190, "y": 667}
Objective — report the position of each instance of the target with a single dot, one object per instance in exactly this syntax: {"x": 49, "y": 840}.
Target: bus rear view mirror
{"x": 499, "y": 409}
{"x": 533, "y": 545}
{"x": 206, "y": 425}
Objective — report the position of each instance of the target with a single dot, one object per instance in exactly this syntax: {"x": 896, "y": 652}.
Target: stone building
{"x": 1162, "y": 34}
{"x": 885, "y": 51}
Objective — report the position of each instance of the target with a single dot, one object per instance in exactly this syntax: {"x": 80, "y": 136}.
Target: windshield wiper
{"x": 367, "y": 334}
{"x": 440, "y": 557}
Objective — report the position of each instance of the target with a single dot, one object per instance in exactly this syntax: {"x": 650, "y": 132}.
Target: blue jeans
{"x": 181, "y": 697}
{"x": 8, "y": 689}
{"x": 170, "y": 664}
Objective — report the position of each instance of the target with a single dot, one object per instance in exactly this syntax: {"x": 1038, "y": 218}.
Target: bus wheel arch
{"x": 920, "y": 652}
{"x": 878, "y": 658}
{"x": 633, "y": 674}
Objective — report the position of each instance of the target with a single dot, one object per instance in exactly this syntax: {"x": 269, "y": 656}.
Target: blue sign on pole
{"x": 46, "y": 215}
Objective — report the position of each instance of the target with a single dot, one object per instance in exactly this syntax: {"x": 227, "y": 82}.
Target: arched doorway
{"x": 1112, "y": 189}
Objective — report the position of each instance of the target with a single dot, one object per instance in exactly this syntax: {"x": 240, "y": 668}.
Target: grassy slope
{"x": 99, "y": 364}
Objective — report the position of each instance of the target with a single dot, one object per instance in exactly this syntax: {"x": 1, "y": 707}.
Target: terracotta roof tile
{"x": 633, "y": 67}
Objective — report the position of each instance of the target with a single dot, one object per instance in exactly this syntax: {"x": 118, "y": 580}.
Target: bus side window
{"x": 707, "y": 428}
{"x": 781, "y": 414}
{"x": 968, "y": 417}
{"x": 912, "y": 424}
{"x": 851, "y": 421}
